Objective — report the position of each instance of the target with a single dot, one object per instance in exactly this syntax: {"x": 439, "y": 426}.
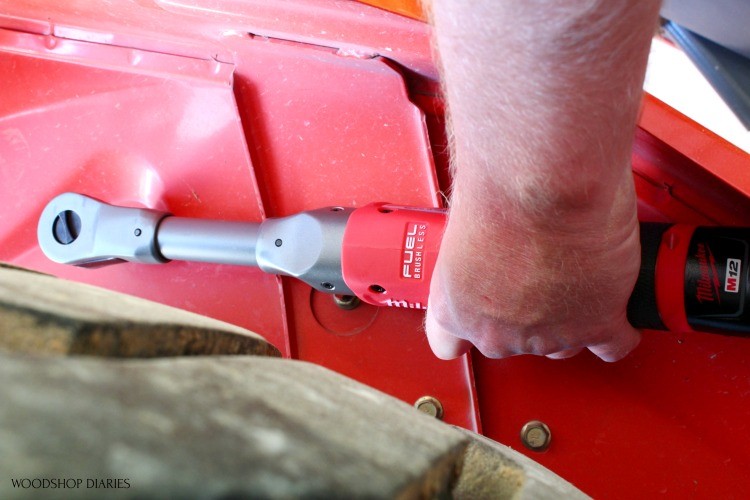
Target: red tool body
{"x": 691, "y": 279}
{"x": 389, "y": 253}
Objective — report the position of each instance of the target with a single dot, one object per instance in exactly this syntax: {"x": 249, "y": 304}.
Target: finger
{"x": 627, "y": 340}
{"x": 442, "y": 342}
{"x": 567, "y": 353}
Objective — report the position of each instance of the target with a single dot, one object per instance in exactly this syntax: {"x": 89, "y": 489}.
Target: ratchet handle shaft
{"x": 199, "y": 240}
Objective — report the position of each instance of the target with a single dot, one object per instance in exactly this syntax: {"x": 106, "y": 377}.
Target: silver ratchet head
{"x": 81, "y": 231}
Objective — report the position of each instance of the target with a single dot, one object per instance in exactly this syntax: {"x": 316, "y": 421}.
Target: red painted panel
{"x": 672, "y": 418}
{"x": 174, "y": 105}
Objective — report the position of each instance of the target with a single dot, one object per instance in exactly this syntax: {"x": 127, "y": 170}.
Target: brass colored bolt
{"x": 431, "y": 406}
{"x": 346, "y": 302}
{"x": 536, "y": 436}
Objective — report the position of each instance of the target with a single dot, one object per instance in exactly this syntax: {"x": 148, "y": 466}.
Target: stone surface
{"x": 45, "y": 315}
{"x": 210, "y": 426}
{"x": 214, "y": 427}
{"x": 493, "y": 470}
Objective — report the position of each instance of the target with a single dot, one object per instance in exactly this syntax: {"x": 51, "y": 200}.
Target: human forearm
{"x": 543, "y": 96}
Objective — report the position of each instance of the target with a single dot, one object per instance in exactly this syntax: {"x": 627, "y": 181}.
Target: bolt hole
{"x": 66, "y": 227}
{"x": 278, "y": 242}
{"x": 346, "y": 302}
{"x": 384, "y": 210}
{"x": 327, "y": 285}
{"x": 137, "y": 232}
{"x": 377, "y": 289}
{"x": 337, "y": 209}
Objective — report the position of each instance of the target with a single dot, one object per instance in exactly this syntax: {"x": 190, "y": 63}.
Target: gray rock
{"x": 214, "y": 427}
{"x": 45, "y": 315}
{"x": 211, "y": 426}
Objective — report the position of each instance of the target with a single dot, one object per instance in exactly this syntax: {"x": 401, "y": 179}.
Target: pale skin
{"x": 541, "y": 251}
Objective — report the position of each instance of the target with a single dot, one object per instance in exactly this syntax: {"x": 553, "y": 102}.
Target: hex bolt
{"x": 536, "y": 436}
{"x": 430, "y": 406}
{"x": 346, "y": 302}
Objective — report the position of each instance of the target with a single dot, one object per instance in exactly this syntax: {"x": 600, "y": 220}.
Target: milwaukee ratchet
{"x": 691, "y": 278}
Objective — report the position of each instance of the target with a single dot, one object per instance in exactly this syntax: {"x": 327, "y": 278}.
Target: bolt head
{"x": 346, "y": 302}
{"x": 430, "y": 406}
{"x": 536, "y": 436}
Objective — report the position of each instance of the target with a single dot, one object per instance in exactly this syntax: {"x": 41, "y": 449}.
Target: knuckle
{"x": 492, "y": 351}
{"x": 540, "y": 345}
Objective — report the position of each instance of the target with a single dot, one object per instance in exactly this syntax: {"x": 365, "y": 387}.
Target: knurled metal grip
{"x": 81, "y": 231}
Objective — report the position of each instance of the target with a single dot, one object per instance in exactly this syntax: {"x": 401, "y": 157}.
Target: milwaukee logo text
{"x": 405, "y": 304}
{"x": 708, "y": 283}
{"x": 412, "y": 263}
{"x": 732, "y": 283}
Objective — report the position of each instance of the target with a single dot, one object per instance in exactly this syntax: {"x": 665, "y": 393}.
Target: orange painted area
{"x": 409, "y": 8}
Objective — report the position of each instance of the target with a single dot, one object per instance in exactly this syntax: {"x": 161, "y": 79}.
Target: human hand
{"x": 513, "y": 284}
